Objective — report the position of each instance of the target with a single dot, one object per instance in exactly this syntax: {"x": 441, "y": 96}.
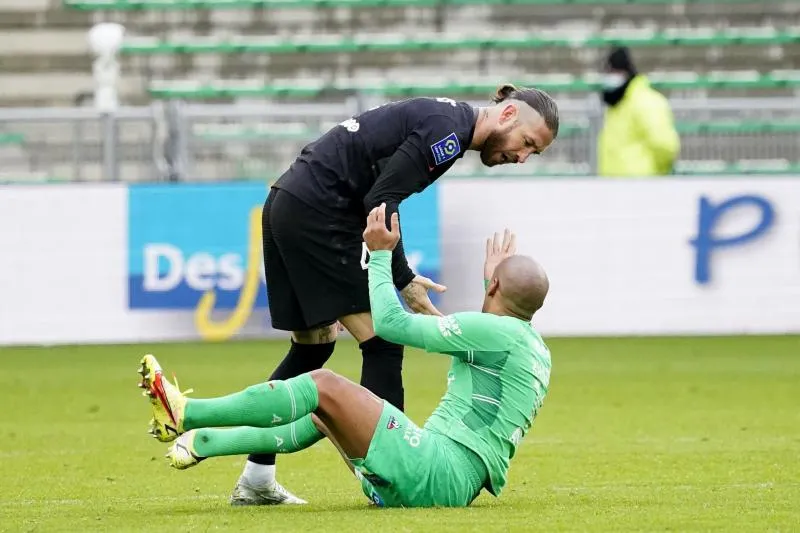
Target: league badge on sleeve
{"x": 392, "y": 424}
{"x": 446, "y": 149}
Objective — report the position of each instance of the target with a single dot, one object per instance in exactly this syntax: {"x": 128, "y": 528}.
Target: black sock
{"x": 382, "y": 370}
{"x": 301, "y": 358}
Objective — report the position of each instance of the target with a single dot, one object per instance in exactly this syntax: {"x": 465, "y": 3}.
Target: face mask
{"x": 614, "y": 88}
{"x": 614, "y": 80}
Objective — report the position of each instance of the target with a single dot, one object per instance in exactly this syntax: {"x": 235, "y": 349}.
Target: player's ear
{"x": 508, "y": 113}
{"x": 491, "y": 290}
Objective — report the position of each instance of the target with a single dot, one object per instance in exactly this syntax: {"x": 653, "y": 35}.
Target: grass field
{"x": 636, "y": 435}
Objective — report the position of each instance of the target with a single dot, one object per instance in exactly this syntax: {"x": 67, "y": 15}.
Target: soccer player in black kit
{"x": 315, "y": 215}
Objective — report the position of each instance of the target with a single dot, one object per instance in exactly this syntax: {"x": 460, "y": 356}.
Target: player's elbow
{"x": 380, "y": 326}
{"x": 371, "y": 201}
{"x": 385, "y": 327}
{"x": 374, "y": 199}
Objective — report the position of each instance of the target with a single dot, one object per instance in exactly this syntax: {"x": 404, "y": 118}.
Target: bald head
{"x": 522, "y": 285}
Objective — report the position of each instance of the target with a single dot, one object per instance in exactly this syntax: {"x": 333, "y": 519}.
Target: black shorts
{"x": 314, "y": 264}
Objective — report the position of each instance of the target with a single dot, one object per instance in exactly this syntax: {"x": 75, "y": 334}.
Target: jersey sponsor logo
{"x": 446, "y": 149}
{"x": 413, "y": 436}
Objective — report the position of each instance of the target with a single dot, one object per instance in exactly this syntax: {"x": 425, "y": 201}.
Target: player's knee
{"x": 323, "y": 335}
{"x": 327, "y": 382}
{"x": 324, "y": 378}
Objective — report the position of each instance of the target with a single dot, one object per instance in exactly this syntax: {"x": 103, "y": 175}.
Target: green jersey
{"x": 499, "y": 376}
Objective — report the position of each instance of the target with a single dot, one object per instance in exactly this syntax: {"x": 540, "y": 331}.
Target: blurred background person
{"x": 638, "y": 138}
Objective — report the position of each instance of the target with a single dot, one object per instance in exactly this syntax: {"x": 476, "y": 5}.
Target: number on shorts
{"x": 364, "y": 256}
{"x": 447, "y": 101}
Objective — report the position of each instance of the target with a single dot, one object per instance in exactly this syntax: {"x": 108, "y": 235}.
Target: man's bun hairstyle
{"x": 504, "y": 93}
{"x": 540, "y": 101}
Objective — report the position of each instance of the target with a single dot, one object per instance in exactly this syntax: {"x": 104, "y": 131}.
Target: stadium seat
{"x": 779, "y": 131}
{"x": 739, "y": 127}
{"x": 744, "y": 166}
{"x": 443, "y": 41}
{"x": 262, "y": 131}
{"x": 300, "y": 131}
{"x": 531, "y": 170}
{"x": 764, "y": 167}
{"x": 557, "y": 84}
{"x": 127, "y": 5}
{"x": 11, "y": 139}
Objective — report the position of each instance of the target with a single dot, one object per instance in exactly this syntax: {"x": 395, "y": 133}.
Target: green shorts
{"x": 408, "y": 466}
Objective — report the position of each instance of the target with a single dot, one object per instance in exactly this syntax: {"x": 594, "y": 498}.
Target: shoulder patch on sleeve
{"x": 446, "y": 149}
{"x": 448, "y": 325}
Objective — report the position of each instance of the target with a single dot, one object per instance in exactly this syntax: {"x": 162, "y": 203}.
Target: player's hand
{"x": 497, "y": 251}
{"x": 416, "y": 297}
{"x": 376, "y": 235}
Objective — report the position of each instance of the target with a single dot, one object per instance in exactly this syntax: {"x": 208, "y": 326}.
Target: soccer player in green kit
{"x": 497, "y": 382}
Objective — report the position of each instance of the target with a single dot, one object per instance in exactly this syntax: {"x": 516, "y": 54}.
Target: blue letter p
{"x": 710, "y": 215}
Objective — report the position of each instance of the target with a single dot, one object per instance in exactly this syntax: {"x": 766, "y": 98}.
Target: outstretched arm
{"x": 457, "y": 335}
{"x": 401, "y": 178}
{"x": 463, "y": 332}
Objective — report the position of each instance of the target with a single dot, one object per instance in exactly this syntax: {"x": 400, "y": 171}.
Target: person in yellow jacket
{"x": 638, "y": 138}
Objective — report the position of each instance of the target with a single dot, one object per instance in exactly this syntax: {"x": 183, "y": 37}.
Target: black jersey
{"x": 337, "y": 171}
{"x": 385, "y": 154}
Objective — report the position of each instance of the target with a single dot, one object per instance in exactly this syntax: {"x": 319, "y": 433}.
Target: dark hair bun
{"x": 504, "y": 92}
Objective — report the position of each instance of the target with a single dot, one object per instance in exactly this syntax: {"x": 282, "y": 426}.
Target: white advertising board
{"x": 688, "y": 256}
{"x": 645, "y": 257}
{"x": 64, "y": 270}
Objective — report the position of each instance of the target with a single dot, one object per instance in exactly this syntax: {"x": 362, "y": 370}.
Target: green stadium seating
{"x": 302, "y": 132}
{"x": 748, "y": 166}
{"x": 766, "y": 167}
{"x": 11, "y": 139}
{"x": 738, "y": 127}
{"x": 333, "y": 44}
{"x": 262, "y": 131}
{"x": 128, "y": 5}
{"x": 734, "y": 80}
{"x": 728, "y": 127}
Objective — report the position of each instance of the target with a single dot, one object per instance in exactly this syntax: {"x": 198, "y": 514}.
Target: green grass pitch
{"x": 683, "y": 434}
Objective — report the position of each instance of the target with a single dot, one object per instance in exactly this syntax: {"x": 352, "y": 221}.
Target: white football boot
{"x": 244, "y": 494}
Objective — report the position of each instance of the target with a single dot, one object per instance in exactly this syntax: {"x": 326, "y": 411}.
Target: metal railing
{"x": 178, "y": 141}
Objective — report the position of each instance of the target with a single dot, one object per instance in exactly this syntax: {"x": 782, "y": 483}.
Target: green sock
{"x": 274, "y": 403}
{"x": 215, "y": 442}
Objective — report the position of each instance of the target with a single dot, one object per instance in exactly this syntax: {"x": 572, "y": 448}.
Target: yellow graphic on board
{"x": 230, "y": 326}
